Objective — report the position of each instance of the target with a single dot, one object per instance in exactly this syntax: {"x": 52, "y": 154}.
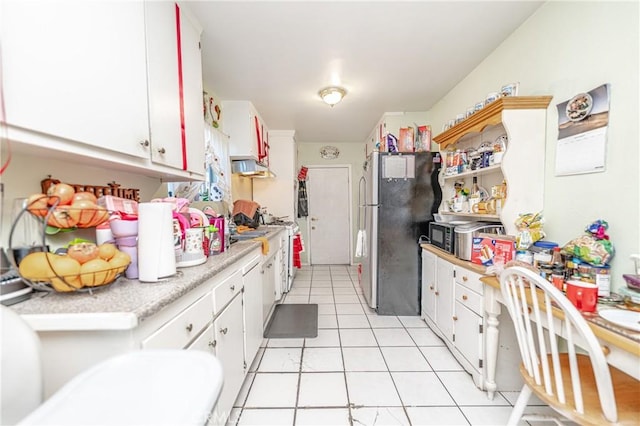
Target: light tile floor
{"x": 362, "y": 369}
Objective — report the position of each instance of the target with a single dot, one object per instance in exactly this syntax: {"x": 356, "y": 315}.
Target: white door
{"x": 328, "y": 191}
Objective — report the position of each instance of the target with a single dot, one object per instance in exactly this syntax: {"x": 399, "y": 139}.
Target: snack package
{"x": 529, "y": 230}
{"x": 594, "y": 247}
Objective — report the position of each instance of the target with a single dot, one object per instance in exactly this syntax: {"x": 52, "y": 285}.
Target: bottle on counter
{"x": 215, "y": 244}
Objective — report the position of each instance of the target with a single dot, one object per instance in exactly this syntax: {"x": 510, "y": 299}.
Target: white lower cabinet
{"x": 429, "y": 285}
{"x": 444, "y": 298}
{"x": 228, "y": 340}
{"x": 252, "y": 311}
{"x": 453, "y": 305}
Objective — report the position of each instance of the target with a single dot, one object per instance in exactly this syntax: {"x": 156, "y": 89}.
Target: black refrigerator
{"x": 397, "y": 197}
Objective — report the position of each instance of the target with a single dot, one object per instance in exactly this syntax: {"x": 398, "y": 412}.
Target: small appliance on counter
{"x": 464, "y": 234}
{"x": 441, "y": 235}
{"x": 12, "y": 289}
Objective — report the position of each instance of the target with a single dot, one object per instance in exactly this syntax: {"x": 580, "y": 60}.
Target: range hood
{"x": 250, "y": 167}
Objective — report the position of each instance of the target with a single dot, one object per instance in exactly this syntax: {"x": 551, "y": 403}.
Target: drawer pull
{"x": 213, "y": 344}
{"x": 455, "y": 318}
{"x": 224, "y": 330}
{"x": 464, "y": 297}
{"x": 233, "y": 287}
{"x": 190, "y": 327}
{"x": 464, "y": 278}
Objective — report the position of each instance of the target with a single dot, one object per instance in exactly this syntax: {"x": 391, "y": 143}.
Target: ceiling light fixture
{"x": 332, "y": 95}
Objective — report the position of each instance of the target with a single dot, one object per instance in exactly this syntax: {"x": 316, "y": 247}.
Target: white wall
{"x": 350, "y": 153}
{"x": 566, "y": 48}
{"x": 22, "y": 178}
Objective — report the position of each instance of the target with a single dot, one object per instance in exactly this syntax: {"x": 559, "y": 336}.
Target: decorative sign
{"x": 329, "y": 152}
{"x": 111, "y": 189}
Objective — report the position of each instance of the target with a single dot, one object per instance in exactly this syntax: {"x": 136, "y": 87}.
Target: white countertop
{"x": 126, "y": 303}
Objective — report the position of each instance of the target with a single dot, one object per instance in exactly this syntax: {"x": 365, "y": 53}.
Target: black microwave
{"x": 442, "y": 236}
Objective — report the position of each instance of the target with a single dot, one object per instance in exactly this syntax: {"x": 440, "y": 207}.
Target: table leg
{"x": 492, "y": 309}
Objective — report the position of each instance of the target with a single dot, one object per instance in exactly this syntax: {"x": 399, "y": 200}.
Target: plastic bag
{"x": 529, "y": 230}
{"x": 594, "y": 247}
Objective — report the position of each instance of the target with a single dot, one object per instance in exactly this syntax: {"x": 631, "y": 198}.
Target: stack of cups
{"x": 125, "y": 233}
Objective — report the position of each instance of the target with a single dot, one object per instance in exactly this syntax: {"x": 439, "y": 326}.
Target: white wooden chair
{"x": 581, "y": 387}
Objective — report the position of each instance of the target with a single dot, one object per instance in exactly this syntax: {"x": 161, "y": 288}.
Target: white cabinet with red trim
{"x": 175, "y": 87}
{"x": 248, "y": 133}
{"x": 75, "y": 85}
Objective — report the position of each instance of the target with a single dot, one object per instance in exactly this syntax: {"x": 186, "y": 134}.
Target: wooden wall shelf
{"x": 490, "y": 115}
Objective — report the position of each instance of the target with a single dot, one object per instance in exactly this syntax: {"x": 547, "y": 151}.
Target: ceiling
{"x": 388, "y": 55}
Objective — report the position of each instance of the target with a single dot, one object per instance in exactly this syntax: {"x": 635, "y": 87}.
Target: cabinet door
{"x": 429, "y": 285}
{"x": 76, "y": 70}
{"x": 252, "y": 311}
{"x": 444, "y": 298}
{"x": 192, "y": 92}
{"x": 229, "y": 342}
{"x": 164, "y": 91}
{"x": 468, "y": 334}
{"x": 268, "y": 286}
{"x": 175, "y": 87}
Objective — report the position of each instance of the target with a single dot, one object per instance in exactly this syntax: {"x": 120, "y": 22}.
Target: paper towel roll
{"x": 156, "y": 256}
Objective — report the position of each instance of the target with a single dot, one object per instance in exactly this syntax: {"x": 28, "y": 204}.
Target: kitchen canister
{"x": 156, "y": 255}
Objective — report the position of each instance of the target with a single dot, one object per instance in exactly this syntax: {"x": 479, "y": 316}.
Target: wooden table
{"x": 620, "y": 345}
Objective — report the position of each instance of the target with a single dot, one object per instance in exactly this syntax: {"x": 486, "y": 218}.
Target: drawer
{"x": 224, "y": 292}
{"x": 470, "y": 299}
{"x": 469, "y": 279}
{"x": 178, "y": 332}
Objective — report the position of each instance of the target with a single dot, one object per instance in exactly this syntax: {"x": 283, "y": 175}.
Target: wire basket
{"x": 46, "y": 271}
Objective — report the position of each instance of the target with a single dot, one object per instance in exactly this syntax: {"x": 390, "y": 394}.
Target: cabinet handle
{"x": 455, "y": 318}
{"x": 162, "y": 151}
{"x": 190, "y": 327}
{"x": 144, "y": 143}
{"x": 233, "y": 287}
{"x": 606, "y": 351}
{"x": 465, "y": 278}
{"x": 213, "y": 344}
{"x": 464, "y": 297}
{"x": 430, "y": 287}
{"x": 437, "y": 293}
{"x": 224, "y": 330}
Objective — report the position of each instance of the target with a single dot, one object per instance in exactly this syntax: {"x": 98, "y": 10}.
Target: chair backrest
{"x": 21, "y": 389}
{"x": 529, "y": 299}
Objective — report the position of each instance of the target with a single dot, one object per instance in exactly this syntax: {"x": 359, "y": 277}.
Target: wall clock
{"x": 329, "y": 152}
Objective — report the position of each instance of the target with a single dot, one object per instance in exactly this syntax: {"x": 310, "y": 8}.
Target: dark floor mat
{"x": 293, "y": 320}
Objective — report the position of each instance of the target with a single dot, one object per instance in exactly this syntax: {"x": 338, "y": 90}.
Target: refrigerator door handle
{"x": 362, "y": 191}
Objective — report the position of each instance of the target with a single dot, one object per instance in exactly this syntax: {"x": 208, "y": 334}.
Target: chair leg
{"x": 521, "y": 404}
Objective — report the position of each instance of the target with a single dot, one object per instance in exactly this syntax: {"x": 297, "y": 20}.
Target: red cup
{"x": 583, "y": 295}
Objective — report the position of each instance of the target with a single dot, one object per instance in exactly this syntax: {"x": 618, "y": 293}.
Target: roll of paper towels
{"x": 156, "y": 255}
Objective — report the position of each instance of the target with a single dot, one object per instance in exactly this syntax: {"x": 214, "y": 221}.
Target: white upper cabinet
{"x": 76, "y": 70}
{"x": 99, "y": 82}
{"x": 175, "y": 87}
{"x": 248, "y": 134}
